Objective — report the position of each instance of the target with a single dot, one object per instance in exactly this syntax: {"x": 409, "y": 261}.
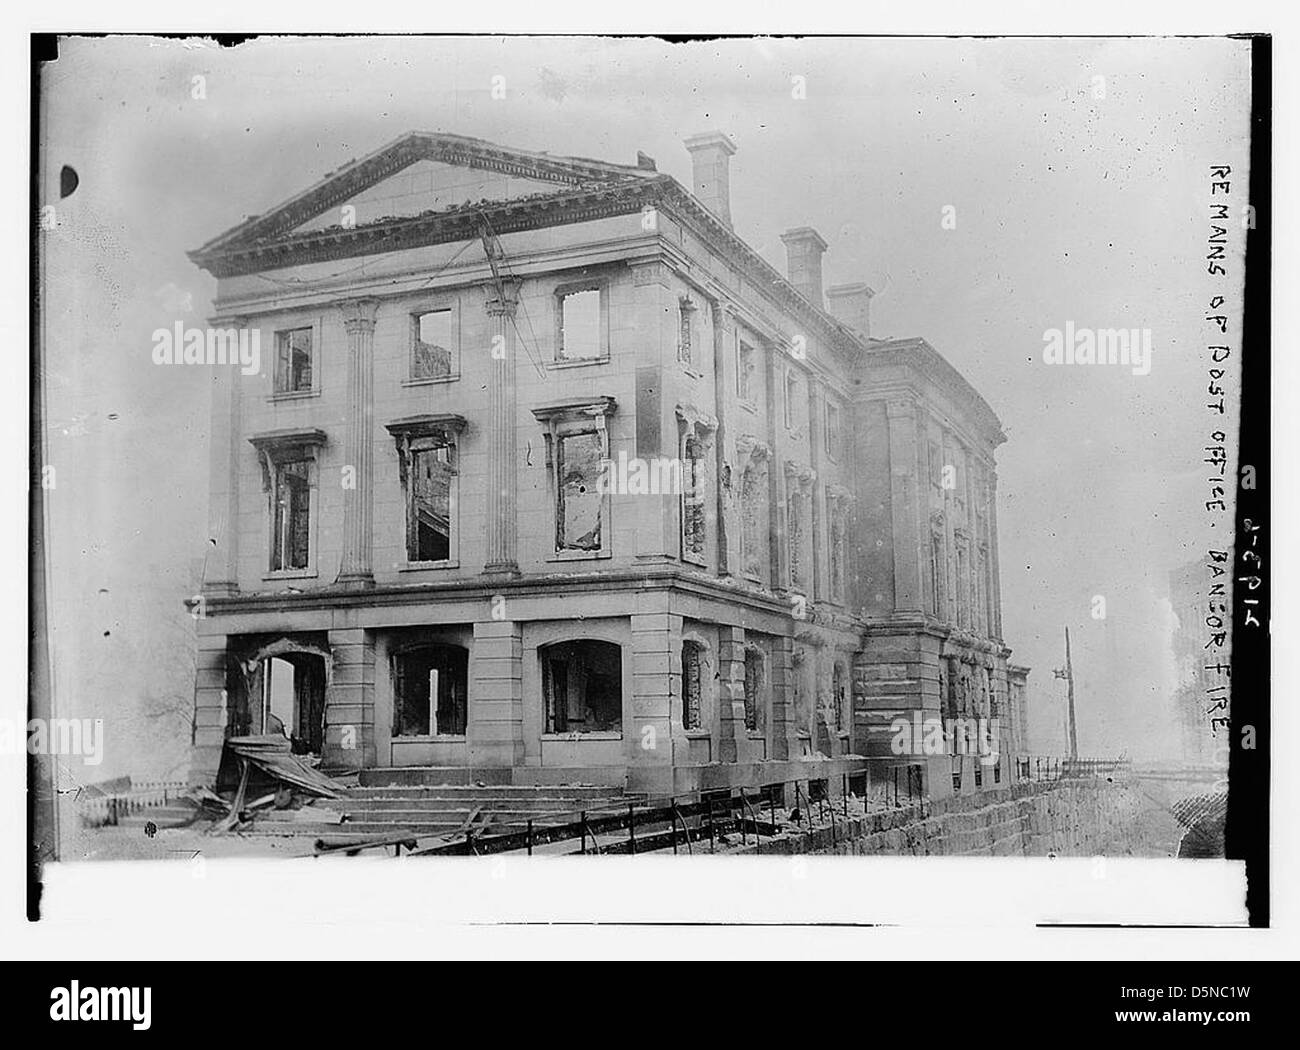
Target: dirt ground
{"x": 183, "y": 844}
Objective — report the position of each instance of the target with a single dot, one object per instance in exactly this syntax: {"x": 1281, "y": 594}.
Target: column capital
{"x": 359, "y": 314}
{"x": 501, "y": 300}
{"x": 650, "y": 271}
{"x": 800, "y": 476}
{"x": 748, "y": 446}
{"x": 900, "y": 406}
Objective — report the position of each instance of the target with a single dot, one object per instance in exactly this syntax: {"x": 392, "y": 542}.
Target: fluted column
{"x": 359, "y": 444}
{"x": 503, "y": 394}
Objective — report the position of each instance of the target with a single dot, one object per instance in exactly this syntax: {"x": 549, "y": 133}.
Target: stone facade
{"x": 453, "y": 334}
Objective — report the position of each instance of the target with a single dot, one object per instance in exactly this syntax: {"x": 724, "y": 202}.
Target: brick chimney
{"x": 710, "y": 176}
{"x": 851, "y": 305}
{"x": 803, "y": 253}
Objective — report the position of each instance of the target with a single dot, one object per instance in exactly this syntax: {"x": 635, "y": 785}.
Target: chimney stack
{"x": 710, "y": 176}
{"x": 803, "y": 252}
{"x": 851, "y": 305}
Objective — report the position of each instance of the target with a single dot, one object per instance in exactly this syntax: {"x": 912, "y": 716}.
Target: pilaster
{"x": 502, "y": 300}
{"x": 359, "y": 444}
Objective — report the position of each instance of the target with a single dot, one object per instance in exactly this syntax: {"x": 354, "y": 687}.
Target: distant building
{"x": 423, "y": 557}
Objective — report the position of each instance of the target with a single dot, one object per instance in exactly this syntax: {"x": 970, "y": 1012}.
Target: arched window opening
{"x": 582, "y": 684}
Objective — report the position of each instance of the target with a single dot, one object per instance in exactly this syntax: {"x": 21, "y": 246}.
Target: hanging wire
{"x": 538, "y": 364}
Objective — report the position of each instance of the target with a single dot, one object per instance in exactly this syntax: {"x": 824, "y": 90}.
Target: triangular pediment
{"x": 429, "y": 185}
{"x": 419, "y": 173}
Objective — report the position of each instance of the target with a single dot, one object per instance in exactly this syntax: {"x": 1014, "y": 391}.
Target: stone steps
{"x": 517, "y": 777}
{"x": 430, "y": 810}
{"x": 512, "y": 793}
{"x": 454, "y": 816}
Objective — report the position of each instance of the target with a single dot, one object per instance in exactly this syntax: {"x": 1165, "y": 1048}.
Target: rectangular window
{"x": 691, "y": 686}
{"x": 963, "y": 587}
{"x": 832, "y": 429}
{"x": 433, "y": 344}
{"x": 429, "y": 510}
{"x": 578, "y": 465}
{"x": 795, "y": 531}
{"x": 746, "y": 364}
{"x": 839, "y": 527}
{"x": 291, "y": 525}
{"x": 693, "y": 500}
{"x": 430, "y": 691}
{"x": 580, "y": 326}
{"x": 428, "y": 466}
{"x": 685, "y": 330}
{"x": 293, "y": 361}
{"x": 753, "y": 684}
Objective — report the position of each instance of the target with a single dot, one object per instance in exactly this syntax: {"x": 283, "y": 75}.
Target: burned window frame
{"x": 755, "y": 507}
{"x": 686, "y": 341}
{"x": 275, "y": 451}
{"x": 696, "y": 432}
{"x": 555, "y": 722}
{"x": 280, "y": 388}
{"x": 694, "y": 676}
{"x": 840, "y": 696}
{"x": 451, "y": 307}
{"x": 411, "y": 436}
{"x": 798, "y": 527}
{"x": 573, "y": 418}
{"x": 459, "y": 689}
{"x": 599, "y": 285}
{"x": 755, "y": 697}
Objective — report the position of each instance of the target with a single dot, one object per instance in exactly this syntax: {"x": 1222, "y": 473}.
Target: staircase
{"x": 437, "y": 810}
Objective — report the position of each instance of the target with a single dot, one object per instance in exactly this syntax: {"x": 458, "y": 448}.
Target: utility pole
{"x": 1068, "y": 674}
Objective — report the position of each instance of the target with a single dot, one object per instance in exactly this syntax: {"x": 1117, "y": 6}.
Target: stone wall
{"x": 1084, "y": 818}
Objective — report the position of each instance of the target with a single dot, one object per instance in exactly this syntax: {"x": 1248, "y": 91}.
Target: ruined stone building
{"x": 548, "y": 476}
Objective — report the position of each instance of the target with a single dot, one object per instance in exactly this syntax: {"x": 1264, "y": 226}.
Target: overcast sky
{"x": 1077, "y": 199}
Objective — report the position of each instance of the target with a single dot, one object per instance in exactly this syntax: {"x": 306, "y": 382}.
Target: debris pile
{"x": 261, "y": 773}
